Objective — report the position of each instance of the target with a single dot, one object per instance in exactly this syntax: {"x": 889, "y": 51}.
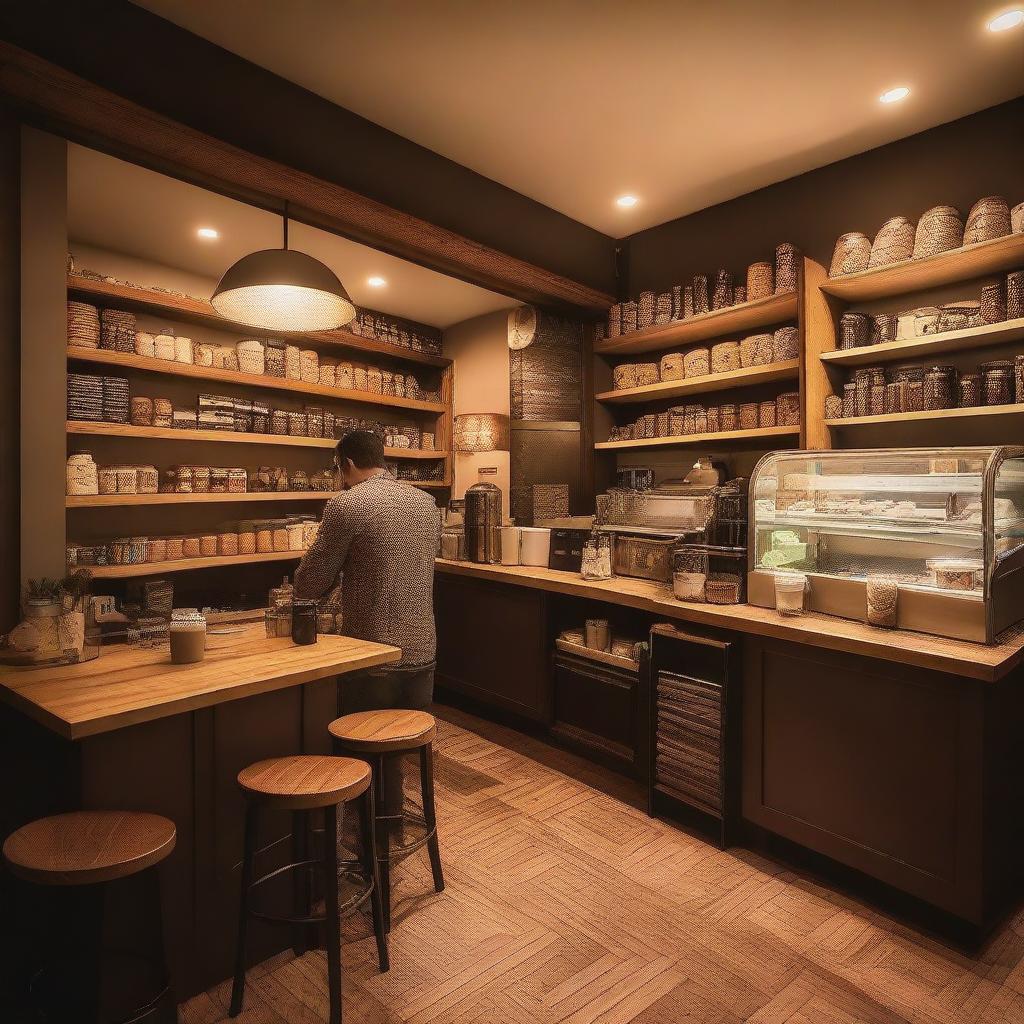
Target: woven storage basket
{"x": 687, "y": 301}
{"x": 833, "y": 407}
{"x": 739, "y": 294}
{"x": 83, "y": 325}
{"x": 662, "y": 427}
{"x": 677, "y": 302}
{"x": 989, "y": 218}
{"x": 614, "y": 321}
{"x": 851, "y": 254}
{"x": 629, "y": 317}
{"x": 757, "y": 350}
{"x": 697, "y": 362}
{"x": 885, "y": 327}
{"x": 785, "y": 344}
{"x": 993, "y": 303}
{"x": 748, "y": 413}
{"x": 939, "y": 229}
{"x": 760, "y": 281}
{"x": 117, "y": 330}
{"x": 646, "y": 373}
{"x": 650, "y": 425}
{"x": 663, "y": 308}
{"x": 785, "y": 268}
{"x": 1017, "y": 219}
{"x": 725, "y": 356}
{"x": 787, "y": 407}
{"x": 701, "y": 302}
{"x": 723, "y": 294}
{"x": 713, "y": 420}
{"x": 672, "y": 366}
{"x": 1015, "y": 294}
{"x": 645, "y": 310}
{"x": 766, "y": 414}
{"x": 624, "y": 376}
{"x": 893, "y": 243}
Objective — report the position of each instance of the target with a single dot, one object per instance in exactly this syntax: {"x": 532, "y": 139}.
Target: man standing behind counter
{"x": 380, "y": 536}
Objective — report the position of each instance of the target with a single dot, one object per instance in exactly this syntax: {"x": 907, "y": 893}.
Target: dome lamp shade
{"x": 283, "y": 290}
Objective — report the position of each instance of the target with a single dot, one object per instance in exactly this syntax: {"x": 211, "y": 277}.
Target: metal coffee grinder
{"x": 483, "y": 523}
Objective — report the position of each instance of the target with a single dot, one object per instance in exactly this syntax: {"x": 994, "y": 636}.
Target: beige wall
{"x": 480, "y": 350}
{"x": 144, "y": 273}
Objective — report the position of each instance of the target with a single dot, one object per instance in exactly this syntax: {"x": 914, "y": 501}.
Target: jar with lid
{"x": 728, "y": 416}
{"x": 998, "y": 382}
{"x": 294, "y": 527}
{"x": 970, "y": 390}
{"x": 278, "y": 621}
{"x": 940, "y": 387}
{"x": 273, "y": 358}
{"x": 304, "y": 622}
{"x": 81, "y": 474}
{"x": 264, "y": 536}
{"x": 218, "y": 480}
{"x": 280, "y": 534}
{"x": 315, "y": 421}
{"x": 597, "y": 557}
{"x": 297, "y": 424}
{"x": 246, "y": 537}
{"x": 237, "y": 480}
{"x": 279, "y": 421}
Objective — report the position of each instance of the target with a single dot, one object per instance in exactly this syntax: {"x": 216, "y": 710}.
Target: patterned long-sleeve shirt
{"x": 381, "y": 538}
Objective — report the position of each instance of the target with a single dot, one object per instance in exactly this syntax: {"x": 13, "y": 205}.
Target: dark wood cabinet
{"x": 493, "y": 644}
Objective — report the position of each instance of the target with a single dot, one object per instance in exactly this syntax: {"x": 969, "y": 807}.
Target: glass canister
{"x": 279, "y": 421}
{"x": 297, "y": 424}
{"x": 304, "y": 622}
{"x": 188, "y": 636}
{"x": 998, "y": 382}
{"x": 689, "y": 573}
{"x": 597, "y": 557}
{"x": 278, "y": 621}
{"x": 940, "y": 387}
{"x": 790, "y": 588}
{"x": 310, "y": 528}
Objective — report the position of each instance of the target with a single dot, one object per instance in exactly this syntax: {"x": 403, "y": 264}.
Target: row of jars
{"x": 877, "y": 392}
{"x": 249, "y": 537}
{"x": 84, "y": 477}
{"x": 682, "y": 421}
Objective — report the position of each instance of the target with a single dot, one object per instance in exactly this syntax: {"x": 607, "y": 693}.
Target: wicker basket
{"x": 677, "y": 302}
{"x": 629, "y": 317}
{"x": 687, "y": 301}
{"x": 117, "y": 330}
{"x": 723, "y": 294}
{"x": 645, "y": 310}
{"x": 739, "y": 294}
{"x": 993, "y": 303}
{"x": 615, "y": 320}
{"x": 624, "y": 376}
{"x": 833, "y": 407}
{"x": 663, "y": 308}
{"x": 646, "y": 373}
{"x": 939, "y": 229}
{"x": 885, "y": 328}
{"x": 757, "y": 350}
{"x": 785, "y": 268}
{"x": 700, "y": 294}
{"x": 766, "y": 414}
{"x": 83, "y": 325}
{"x": 697, "y": 363}
{"x": 725, "y": 356}
{"x": 672, "y": 366}
{"x": 760, "y": 281}
{"x": 1015, "y": 294}
{"x": 1017, "y": 219}
{"x": 893, "y": 243}
{"x": 851, "y": 254}
{"x": 785, "y": 344}
{"x": 989, "y": 218}
{"x": 787, "y": 407}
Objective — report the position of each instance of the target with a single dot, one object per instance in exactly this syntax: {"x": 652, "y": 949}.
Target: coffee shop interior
{"x": 687, "y": 345}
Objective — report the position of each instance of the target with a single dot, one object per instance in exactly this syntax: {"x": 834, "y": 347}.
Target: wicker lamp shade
{"x": 481, "y": 432}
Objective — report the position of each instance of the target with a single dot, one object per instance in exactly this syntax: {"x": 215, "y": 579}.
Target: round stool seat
{"x": 305, "y": 781}
{"x": 87, "y": 847}
{"x": 371, "y": 732}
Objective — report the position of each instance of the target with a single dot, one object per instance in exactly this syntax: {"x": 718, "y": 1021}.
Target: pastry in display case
{"x": 944, "y": 526}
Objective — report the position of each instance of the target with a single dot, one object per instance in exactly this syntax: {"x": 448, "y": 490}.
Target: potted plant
{"x": 53, "y": 627}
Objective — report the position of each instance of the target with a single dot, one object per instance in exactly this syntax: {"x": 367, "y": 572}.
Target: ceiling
{"x": 681, "y": 102}
{"x": 120, "y": 206}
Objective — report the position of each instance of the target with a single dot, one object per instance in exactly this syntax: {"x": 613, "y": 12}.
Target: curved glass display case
{"x": 945, "y": 525}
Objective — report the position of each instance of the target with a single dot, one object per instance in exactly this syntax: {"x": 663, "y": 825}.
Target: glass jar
{"x": 273, "y": 358}
{"x": 315, "y": 422}
{"x": 294, "y": 535}
{"x": 790, "y": 588}
{"x": 939, "y": 388}
{"x": 727, "y": 416}
{"x": 280, "y": 535}
{"x": 597, "y": 557}
{"x": 597, "y": 635}
{"x": 310, "y": 528}
{"x": 188, "y": 636}
{"x": 278, "y": 621}
{"x": 264, "y": 536}
{"x": 304, "y": 622}
{"x": 208, "y": 545}
{"x": 81, "y": 474}
{"x": 689, "y": 573}
{"x": 260, "y": 417}
{"x": 298, "y": 481}
{"x": 227, "y": 543}
{"x": 279, "y": 421}
{"x": 297, "y": 424}
{"x": 246, "y": 538}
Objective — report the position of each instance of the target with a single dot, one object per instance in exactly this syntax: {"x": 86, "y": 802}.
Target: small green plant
{"x": 45, "y": 589}
{"x": 72, "y": 588}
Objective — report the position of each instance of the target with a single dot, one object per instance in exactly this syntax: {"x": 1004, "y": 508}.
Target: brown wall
{"x": 10, "y": 359}
{"x": 956, "y": 163}
{"x": 149, "y": 60}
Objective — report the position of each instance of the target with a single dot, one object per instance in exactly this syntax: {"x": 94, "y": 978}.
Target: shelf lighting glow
{"x": 376, "y": 282}
{"x": 208, "y": 233}
{"x": 894, "y": 95}
{"x": 626, "y": 201}
{"x": 1011, "y": 19}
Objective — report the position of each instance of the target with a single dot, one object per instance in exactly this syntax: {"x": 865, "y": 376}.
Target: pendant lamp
{"x": 283, "y": 290}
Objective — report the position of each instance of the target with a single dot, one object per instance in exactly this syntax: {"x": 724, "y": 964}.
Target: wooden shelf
{"x": 962, "y": 264}
{"x": 703, "y": 439}
{"x": 166, "y": 367}
{"x": 197, "y": 311}
{"x": 230, "y": 436}
{"x": 938, "y": 414}
{"x": 604, "y": 657}
{"x": 106, "y": 500}
{"x": 924, "y": 347}
{"x": 184, "y": 564}
{"x": 788, "y": 370}
{"x": 733, "y": 319}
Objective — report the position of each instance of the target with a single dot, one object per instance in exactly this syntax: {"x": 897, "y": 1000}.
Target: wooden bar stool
{"x": 302, "y": 784}
{"x": 379, "y": 737}
{"x": 86, "y": 980}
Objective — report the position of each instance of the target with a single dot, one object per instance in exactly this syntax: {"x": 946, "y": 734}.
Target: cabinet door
{"x": 491, "y": 644}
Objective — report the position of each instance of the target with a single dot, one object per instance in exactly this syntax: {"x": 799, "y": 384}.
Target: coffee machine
{"x": 483, "y": 523}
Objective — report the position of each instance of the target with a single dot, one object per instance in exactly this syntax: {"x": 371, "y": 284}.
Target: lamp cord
{"x": 286, "y": 224}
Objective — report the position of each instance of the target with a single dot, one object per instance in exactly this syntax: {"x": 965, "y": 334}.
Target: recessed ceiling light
{"x": 894, "y": 95}
{"x": 208, "y": 233}
{"x": 626, "y": 201}
{"x": 376, "y": 282}
{"x": 1011, "y": 19}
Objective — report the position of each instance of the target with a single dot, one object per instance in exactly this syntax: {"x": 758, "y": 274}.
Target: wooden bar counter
{"x": 882, "y": 756}
{"x": 130, "y": 731}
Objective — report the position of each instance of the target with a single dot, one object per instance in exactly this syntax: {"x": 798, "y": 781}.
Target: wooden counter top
{"x": 128, "y": 685}
{"x": 975, "y": 661}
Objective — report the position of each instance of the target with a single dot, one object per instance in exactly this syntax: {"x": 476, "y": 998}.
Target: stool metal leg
{"x": 368, "y": 834}
{"x": 383, "y": 842}
{"x": 248, "y": 855}
{"x": 332, "y": 913}
{"x": 302, "y": 893}
{"x": 429, "y": 813}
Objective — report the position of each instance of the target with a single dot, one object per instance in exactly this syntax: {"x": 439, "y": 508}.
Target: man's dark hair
{"x": 366, "y": 450}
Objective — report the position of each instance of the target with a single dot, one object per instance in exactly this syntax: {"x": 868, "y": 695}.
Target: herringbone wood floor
{"x": 564, "y": 904}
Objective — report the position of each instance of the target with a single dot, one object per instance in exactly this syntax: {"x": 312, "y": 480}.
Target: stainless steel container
{"x": 483, "y": 523}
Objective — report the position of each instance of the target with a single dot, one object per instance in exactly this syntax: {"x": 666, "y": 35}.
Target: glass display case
{"x": 945, "y": 525}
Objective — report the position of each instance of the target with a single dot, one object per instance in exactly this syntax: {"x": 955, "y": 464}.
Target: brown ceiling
{"x": 682, "y": 102}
